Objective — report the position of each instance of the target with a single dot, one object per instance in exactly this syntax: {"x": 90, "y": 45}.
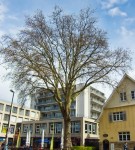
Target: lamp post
{"x": 6, "y": 138}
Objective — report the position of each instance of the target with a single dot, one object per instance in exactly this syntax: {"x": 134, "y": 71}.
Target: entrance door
{"x": 105, "y": 145}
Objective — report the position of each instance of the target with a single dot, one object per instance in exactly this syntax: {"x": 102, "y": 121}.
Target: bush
{"x": 82, "y": 148}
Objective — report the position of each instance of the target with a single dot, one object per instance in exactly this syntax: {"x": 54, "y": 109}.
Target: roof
{"x": 124, "y": 77}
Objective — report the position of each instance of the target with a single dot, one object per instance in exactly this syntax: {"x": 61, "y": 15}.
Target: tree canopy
{"x": 60, "y": 51}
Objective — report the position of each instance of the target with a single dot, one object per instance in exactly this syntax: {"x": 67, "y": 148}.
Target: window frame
{"x": 123, "y": 96}
{"x": 117, "y": 116}
{"x": 124, "y": 136}
{"x": 133, "y": 94}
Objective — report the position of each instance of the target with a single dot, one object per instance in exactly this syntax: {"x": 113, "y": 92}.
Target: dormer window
{"x": 123, "y": 96}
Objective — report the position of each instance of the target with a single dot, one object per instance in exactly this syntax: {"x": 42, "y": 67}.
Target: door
{"x": 105, "y": 145}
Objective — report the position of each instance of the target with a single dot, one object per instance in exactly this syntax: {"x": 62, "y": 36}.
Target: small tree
{"x": 57, "y": 53}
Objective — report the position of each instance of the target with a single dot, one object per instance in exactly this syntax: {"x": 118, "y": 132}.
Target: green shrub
{"x": 82, "y": 148}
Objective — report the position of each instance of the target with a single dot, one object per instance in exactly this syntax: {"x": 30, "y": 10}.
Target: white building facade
{"x": 18, "y": 114}
{"x": 84, "y": 112}
{"x": 88, "y": 104}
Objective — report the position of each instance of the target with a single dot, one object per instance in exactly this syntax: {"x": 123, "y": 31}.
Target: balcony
{"x": 45, "y": 102}
{"x": 51, "y": 117}
{"x": 97, "y": 93}
{"x": 96, "y": 109}
{"x": 44, "y": 96}
{"x": 95, "y": 101}
{"x": 48, "y": 109}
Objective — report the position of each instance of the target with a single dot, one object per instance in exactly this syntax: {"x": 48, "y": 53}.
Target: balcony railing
{"x": 97, "y": 101}
{"x": 98, "y": 93}
{"x": 96, "y": 109}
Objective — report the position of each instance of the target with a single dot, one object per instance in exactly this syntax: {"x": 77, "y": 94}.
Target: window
{"x": 118, "y": 116}
{"x": 1, "y": 106}
{"x": 0, "y": 116}
{"x": 14, "y": 110}
{"x": 21, "y": 111}
{"x": 75, "y": 127}
{"x": 37, "y": 128}
{"x": 133, "y": 94}
{"x": 43, "y": 126}
{"x": 123, "y": 96}
{"x": 32, "y": 114}
{"x": 90, "y": 127}
{"x": 86, "y": 127}
{"x": 37, "y": 115}
{"x": 6, "y": 117}
{"x": 51, "y": 128}
{"x": 31, "y": 128}
{"x": 58, "y": 127}
{"x": 124, "y": 136}
{"x": 13, "y": 118}
{"x": 7, "y": 108}
{"x": 72, "y": 113}
{"x": 4, "y": 128}
{"x": 12, "y": 129}
{"x": 27, "y": 113}
{"x": 94, "y": 128}
{"x": 25, "y": 128}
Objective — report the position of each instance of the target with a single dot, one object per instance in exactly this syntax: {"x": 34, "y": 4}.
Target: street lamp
{"x": 6, "y": 138}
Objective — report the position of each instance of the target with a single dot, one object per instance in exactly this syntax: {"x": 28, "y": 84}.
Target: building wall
{"x": 109, "y": 128}
{"x": 81, "y": 135}
{"x": 16, "y": 117}
{"x": 82, "y": 106}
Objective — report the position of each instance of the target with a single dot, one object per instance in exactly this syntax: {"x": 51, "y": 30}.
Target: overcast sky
{"x": 117, "y": 17}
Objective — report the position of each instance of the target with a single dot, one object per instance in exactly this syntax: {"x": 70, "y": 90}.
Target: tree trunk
{"x": 67, "y": 133}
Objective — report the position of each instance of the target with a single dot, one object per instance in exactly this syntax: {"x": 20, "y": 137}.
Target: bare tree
{"x": 58, "y": 52}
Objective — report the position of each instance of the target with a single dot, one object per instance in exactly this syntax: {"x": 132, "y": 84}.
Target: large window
{"x": 58, "y": 127}
{"x": 55, "y": 127}
{"x": 90, "y": 127}
{"x": 124, "y": 136}
{"x": 133, "y": 94}
{"x": 118, "y": 116}
{"x": 75, "y": 127}
{"x": 123, "y": 96}
{"x": 39, "y": 127}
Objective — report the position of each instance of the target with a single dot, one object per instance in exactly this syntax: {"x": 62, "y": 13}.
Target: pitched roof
{"x": 125, "y": 76}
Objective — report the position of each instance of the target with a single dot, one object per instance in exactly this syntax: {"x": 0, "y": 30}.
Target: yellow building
{"x": 117, "y": 121}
